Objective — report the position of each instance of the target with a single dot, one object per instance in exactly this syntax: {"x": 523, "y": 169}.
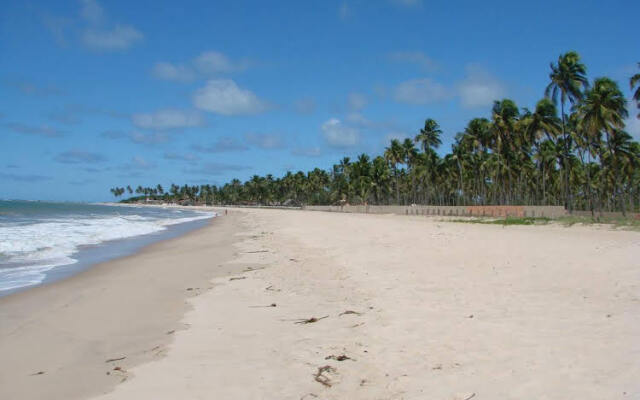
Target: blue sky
{"x": 103, "y": 93}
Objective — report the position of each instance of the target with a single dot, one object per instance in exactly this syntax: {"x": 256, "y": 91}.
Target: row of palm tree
{"x": 582, "y": 159}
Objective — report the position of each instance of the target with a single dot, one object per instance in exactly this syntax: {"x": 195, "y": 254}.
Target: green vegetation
{"x": 617, "y": 222}
{"x": 504, "y": 221}
{"x": 582, "y": 159}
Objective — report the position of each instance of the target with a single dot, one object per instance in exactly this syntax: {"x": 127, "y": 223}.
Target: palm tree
{"x": 410, "y": 154}
{"x": 380, "y": 176}
{"x": 544, "y": 121}
{"x": 582, "y": 158}
{"x": 362, "y": 177}
{"x": 394, "y": 155}
{"x": 505, "y": 115}
{"x": 568, "y": 79}
{"x": 429, "y": 136}
{"x": 635, "y": 80}
{"x": 603, "y": 111}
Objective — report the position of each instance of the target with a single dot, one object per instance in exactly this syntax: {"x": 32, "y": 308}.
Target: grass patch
{"x": 505, "y": 221}
{"x": 619, "y": 222}
{"x": 616, "y": 222}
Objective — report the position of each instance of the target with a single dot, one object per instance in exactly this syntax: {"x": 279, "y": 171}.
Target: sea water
{"x": 41, "y": 240}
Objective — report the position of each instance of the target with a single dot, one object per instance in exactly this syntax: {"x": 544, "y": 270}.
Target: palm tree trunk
{"x": 566, "y": 162}
{"x": 589, "y": 180}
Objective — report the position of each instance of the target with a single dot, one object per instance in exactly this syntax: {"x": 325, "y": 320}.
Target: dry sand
{"x": 435, "y": 310}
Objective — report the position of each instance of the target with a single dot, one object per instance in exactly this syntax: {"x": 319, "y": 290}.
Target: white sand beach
{"x": 344, "y": 306}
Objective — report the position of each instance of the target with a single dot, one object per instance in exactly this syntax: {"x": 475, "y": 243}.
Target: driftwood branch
{"x": 310, "y": 320}
{"x": 349, "y": 312}
{"x": 270, "y": 305}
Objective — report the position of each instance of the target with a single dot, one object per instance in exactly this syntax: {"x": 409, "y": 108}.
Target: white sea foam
{"x": 30, "y": 250}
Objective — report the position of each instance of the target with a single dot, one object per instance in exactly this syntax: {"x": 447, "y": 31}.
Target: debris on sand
{"x": 310, "y": 320}
{"x": 341, "y": 357}
{"x": 349, "y": 312}
{"x": 237, "y": 278}
{"x": 270, "y": 305}
{"x": 115, "y": 359}
{"x": 321, "y": 377}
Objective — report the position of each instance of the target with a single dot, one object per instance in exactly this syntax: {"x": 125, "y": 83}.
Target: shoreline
{"x": 59, "y": 335}
{"x": 88, "y": 256}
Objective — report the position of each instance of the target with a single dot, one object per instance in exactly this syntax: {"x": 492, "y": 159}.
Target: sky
{"x": 98, "y": 94}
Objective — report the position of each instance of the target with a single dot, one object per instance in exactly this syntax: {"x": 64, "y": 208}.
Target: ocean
{"x": 42, "y": 241}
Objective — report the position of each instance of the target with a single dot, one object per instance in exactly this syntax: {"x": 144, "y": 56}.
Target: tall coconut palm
{"x": 504, "y": 115}
{"x": 410, "y": 156}
{"x": 429, "y": 136}
{"x": 380, "y": 176}
{"x": 394, "y": 154}
{"x": 568, "y": 80}
{"x": 633, "y": 82}
{"x": 603, "y": 111}
{"x": 543, "y": 121}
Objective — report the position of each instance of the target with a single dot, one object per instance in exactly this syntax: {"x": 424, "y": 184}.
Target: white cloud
{"x": 99, "y": 34}
{"x": 265, "y": 140}
{"x": 92, "y": 11}
{"x": 414, "y": 57}
{"x": 171, "y": 72}
{"x": 121, "y": 37}
{"x": 421, "y": 91}
{"x": 479, "y": 88}
{"x": 188, "y": 157}
{"x": 214, "y": 63}
{"x": 78, "y": 157}
{"x": 138, "y": 162}
{"x": 356, "y": 118}
{"x": 168, "y": 119}
{"x": 207, "y": 64}
{"x": 357, "y": 101}
{"x": 314, "y": 151}
{"x": 339, "y": 135}
{"x": 36, "y": 89}
{"x": 224, "y": 97}
{"x": 42, "y": 130}
{"x": 148, "y": 138}
{"x": 93, "y": 29}
{"x": 224, "y": 144}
